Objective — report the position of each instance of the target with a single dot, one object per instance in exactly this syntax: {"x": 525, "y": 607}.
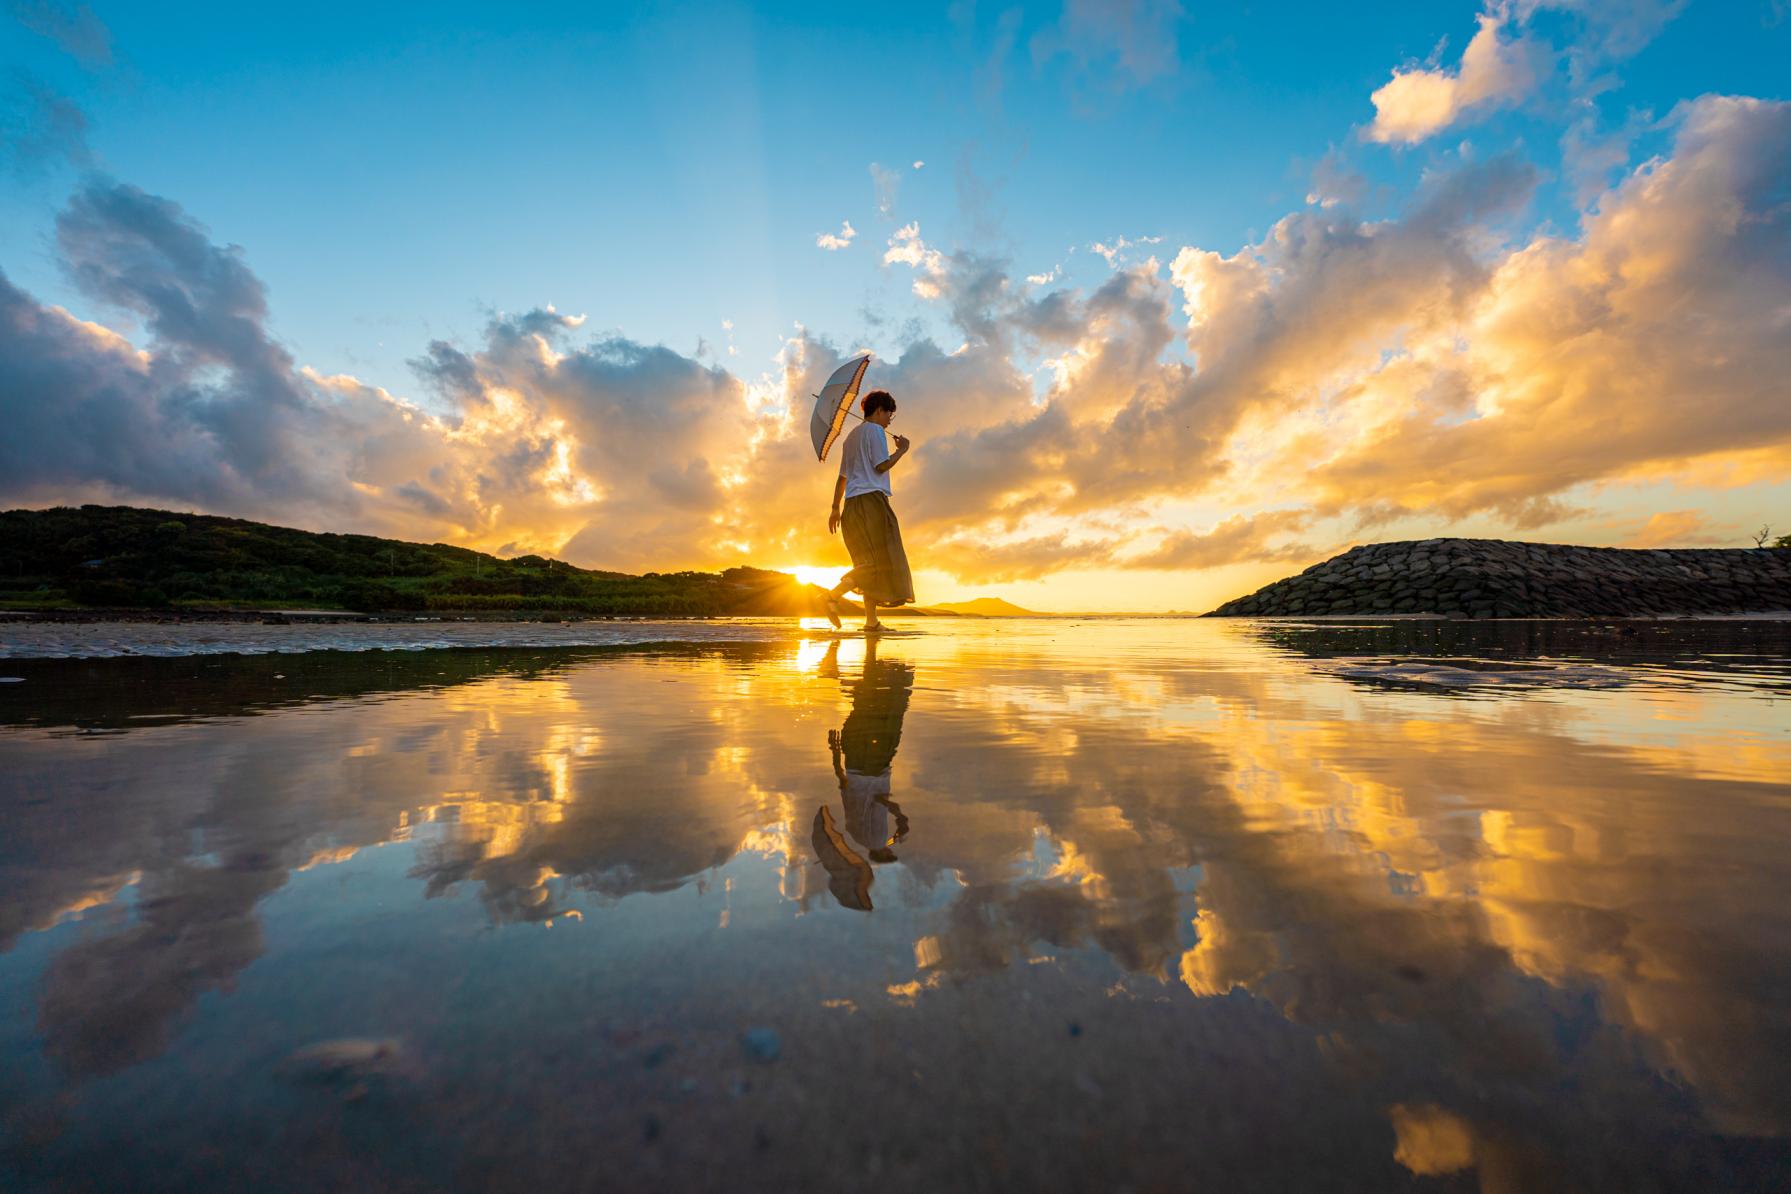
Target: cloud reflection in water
{"x": 1473, "y": 907}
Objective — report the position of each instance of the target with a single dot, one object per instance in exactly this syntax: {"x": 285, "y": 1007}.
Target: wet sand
{"x": 1148, "y": 904}
{"x": 99, "y": 640}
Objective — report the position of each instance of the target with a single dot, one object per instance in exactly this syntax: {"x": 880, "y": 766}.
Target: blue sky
{"x": 394, "y": 171}
{"x": 397, "y": 174}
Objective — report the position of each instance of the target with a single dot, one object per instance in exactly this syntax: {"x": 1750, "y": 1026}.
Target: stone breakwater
{"x": 1492, "y": 578}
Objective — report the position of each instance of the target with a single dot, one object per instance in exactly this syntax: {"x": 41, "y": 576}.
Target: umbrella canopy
{"x": 834, "y": 403}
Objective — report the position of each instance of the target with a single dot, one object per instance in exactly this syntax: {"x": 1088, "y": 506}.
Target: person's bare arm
{"x": 901, "y": 451}
{"x": 839, "y": 494}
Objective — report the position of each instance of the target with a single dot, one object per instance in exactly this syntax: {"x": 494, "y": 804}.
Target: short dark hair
{"x": 875, "y": 401}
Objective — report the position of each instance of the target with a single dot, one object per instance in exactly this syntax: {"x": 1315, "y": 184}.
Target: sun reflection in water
{"x": 1167, "y": 808}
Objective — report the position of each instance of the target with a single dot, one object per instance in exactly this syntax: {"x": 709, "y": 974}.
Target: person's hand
{"x": 833, "y": 522}
{"x": 901, "y": 443}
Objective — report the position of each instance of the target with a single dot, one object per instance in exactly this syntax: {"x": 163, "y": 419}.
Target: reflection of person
{"x": 863, "y": 753}
{"x": 874, "y": 539}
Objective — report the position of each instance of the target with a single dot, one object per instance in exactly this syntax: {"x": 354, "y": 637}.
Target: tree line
{"x": 127, "y": 557}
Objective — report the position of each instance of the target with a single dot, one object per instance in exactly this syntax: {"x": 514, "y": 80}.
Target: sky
{"x": 1174, "y": 299}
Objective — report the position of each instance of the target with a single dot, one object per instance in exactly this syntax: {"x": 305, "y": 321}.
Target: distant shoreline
{"x": 293, "y": 617}
{"x": 89, "y": 615}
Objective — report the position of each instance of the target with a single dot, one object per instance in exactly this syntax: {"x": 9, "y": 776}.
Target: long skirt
{"x": 879, "y": 563}
{"x": 873, "y": 728}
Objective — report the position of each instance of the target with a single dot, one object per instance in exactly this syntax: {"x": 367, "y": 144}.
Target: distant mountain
{"x": 987, "y": 607}
{"x": 126, "y": 557}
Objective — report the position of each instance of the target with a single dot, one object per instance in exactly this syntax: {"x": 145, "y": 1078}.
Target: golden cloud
{"x": 1341, "y": 371}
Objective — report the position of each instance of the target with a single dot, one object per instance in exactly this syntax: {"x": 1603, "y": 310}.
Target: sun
{"x": 825, "y": 577}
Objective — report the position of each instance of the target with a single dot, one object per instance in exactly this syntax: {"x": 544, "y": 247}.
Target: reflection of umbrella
{"x": 834, "y": 403}
{"x": 848, "y": 875}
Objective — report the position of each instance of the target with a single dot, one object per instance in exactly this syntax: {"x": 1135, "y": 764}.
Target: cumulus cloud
{"x": 1338, "y": 374}
{"x": 1496, "y": 70}
{"x": 1655, "y": 340}
{"x": 534, "y": 441}
{"x": 906, "y": 248}
{"x": 1505, "y": 62}
{"x": 216, "y": 414}
{"x": 833, "y": 242}
{"x": 1422, "y": 366}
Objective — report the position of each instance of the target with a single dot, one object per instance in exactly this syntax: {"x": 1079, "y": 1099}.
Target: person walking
{"x": 864, "y": 751}
{"x": 862, "y": 511}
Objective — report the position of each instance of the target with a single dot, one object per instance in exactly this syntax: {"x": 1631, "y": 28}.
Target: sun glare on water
{"x": 825, "y": 577}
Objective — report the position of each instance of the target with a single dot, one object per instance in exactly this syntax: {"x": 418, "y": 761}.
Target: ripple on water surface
{"x": 1060, "y": 903}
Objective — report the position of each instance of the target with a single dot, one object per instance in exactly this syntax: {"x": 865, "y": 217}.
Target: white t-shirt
{"x": 863, "y": 449}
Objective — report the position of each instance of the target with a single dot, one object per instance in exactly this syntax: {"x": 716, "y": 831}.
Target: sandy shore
{"x": 264, "y": 635}
{"x": 97, "y": 640}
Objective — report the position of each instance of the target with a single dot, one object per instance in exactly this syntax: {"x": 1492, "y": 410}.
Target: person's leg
{"x": 834, "y": 594}
{"x": 870, "y": 615}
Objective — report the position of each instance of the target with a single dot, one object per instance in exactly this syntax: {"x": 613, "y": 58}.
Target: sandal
{"x": 832, "y": 609}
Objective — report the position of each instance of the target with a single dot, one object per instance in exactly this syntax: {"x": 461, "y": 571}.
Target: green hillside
{"x": 125, "y": 557}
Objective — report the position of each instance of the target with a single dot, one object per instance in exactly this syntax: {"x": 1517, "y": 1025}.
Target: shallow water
{"x": 22, "y": 639}
{"x": 1029, "y": 904}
